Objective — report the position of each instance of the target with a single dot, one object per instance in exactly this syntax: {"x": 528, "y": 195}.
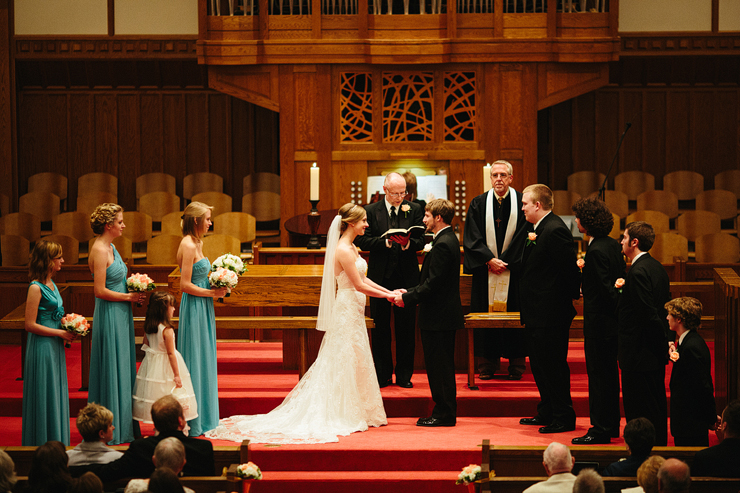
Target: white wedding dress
{"x": 337, "y": 396}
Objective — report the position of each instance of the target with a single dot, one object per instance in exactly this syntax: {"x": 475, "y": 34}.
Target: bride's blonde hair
{"x": 350, "y": 213}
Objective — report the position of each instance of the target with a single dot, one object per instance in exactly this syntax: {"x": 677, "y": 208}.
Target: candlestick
{"x": 486, "y": 177}
{"x": 314, "y": 219}
{"x": 314, "y": 182}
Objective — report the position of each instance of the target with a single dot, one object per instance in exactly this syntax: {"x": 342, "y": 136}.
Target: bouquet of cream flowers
{"x": 469, "y": 474}
{"x": 140, "y": 283}
{"x": 248, "y": 471}
{"x": 77, "y": 324}
{"x": 223, "y": 278}
{"x": 230, "y": 262}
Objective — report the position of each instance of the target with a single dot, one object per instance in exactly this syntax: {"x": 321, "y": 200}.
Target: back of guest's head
{"x": 49, "y": 472}
{"x": 170, "y": 453}
{"x": 731, "y": 419}
{"x": 92, "y": 419}
{"x": 674, "y": 477}
{"x": 166, "y": 414}
{"x": 7, "y": 472}
{"x": 540, "y": 193}
{"x": 643, "y": 232}
{"x": 647, "y": 473}
{"x": 594, "y": 216}
{"x": 103, "y": 215}
{"x": 194, "y": 213}
{"x": 557, "y": 458}
{"x": 687, "y": 309}
{"x": 350, "y": 214}
{"x": 164, "y": 480}
{"x": 588, "y": 481}
{"x": 157, "y": 311}
{"x": 441, "y": 207}
{"x": 410, "y": 184}
{"x": 87, "y": 483}
{"x": 639, "y": 435}
{"x": 42, "y": 255}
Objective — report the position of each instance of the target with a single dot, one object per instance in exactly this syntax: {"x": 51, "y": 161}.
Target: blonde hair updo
{"x": 350, "y": 213}
{"x": 193, "y": 212}
{"x": 103, "y": 215}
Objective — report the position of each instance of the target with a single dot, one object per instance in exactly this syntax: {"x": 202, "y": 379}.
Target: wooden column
{"x": 7, "y": 102}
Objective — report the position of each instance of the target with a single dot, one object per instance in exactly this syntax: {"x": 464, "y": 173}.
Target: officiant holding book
{"x": 393, "y": 264}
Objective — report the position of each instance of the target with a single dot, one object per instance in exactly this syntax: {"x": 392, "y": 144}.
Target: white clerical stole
{"x": 498, "y": 284}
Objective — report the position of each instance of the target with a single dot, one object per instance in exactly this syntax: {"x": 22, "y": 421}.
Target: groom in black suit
{"x": 549, "y": 283}
{"x": 393, "y": 265}
{"x": 440, "y": 311}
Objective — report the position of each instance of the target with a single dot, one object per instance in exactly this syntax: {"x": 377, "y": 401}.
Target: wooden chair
{"x": 633, "y": 183}
{"x": 658, "y": 200}
{"x": 261, "y": 182}
{"x": 70, "y": 247}
{"x": 97, "y": 182}
{"x": 693, "y": 224}
{"x": 719, "y": 248}
{"x": 728, "y": 180}
{"x": 22, "y": 224}
{"x": 138, "y": 226}
{"x": 162, "y": 249}
{"x": 220, "y": 202}
{"x": 4, "y": 204}
{"x": 562, "y": 202}
{"x": 685, "y": 184}
{"x": 238, "y": 224}
{"x": 49, "y": 182}
{"x": 196, "y": 183}
{"x": 617, "y": 229}
{"x": 617, "y": 202}
{"x": 171, "y": 223}
{"x": 216, "y": 245}
{"x": 159, "y": 204}
{"x": 15, "y": 250}
{"x": 723, "y": 202}
{"x": 658, "y": 220}
{"x": 122, "y": 244}
{"x": 87, "y": 202}
{"x": 155, "y": 182}
{"x": 264, "y": 206}
{"x": 45, "y": 205}
{"x": 584, "y": 183}
{"x": 669, "y": 245}
{"x": 74, "y": 224}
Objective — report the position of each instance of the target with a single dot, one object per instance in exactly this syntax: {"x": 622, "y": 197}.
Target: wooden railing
{"x": 727, "y": 335}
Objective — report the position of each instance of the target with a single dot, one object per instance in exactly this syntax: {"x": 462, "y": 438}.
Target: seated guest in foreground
{"x": 639, "y": 436}
{"x": 95, "y": 424}
{"x": 558, "y": 465}
{"x": 722, "y": 460}
{"x": 49, "y": 472}
{"x": 588, "y": 481}
{"x": 164, "y": 480}
{"x": 7, "y": 473}
{"x": 87, "y": 483}
{"x": 693, "y": 411}
{"x": 647, "y": 476}
{"x": 136, "y": 462}
{"x": 168, "y": 454}
{"x": 674, "y": 477}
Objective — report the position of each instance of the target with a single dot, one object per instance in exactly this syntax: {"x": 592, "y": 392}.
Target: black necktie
{"x": 394, "y": 217}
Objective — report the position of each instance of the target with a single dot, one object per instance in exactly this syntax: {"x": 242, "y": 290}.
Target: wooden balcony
{"x": 269, "y": 32}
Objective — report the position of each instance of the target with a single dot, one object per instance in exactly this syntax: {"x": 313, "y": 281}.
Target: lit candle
{"x": 486, "y": 177}
{"x": 314, "y": 189}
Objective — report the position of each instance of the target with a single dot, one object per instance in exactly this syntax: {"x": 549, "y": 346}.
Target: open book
{"x": 413, "y": 232}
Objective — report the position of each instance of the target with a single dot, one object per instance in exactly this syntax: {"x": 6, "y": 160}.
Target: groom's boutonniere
{"x": 427, "y": 248}
{"x": 580, "y": 263}
{"x": 619, "y": 284}
{"x": 531, "y": 238}
{"x": 405, "y": 208}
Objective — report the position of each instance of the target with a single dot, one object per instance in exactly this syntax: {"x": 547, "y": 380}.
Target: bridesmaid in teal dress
{"x": 196, "y": 340}
{"x": 45, "y": 387}
{"x": 113, "y": 355}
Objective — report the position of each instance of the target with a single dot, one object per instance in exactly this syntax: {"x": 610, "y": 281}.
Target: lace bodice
{"x": 343, "y": 281}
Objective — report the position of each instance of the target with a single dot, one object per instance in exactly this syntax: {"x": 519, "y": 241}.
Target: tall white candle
{"x": 314, "y": 189}
{"x": 486, "y": 177}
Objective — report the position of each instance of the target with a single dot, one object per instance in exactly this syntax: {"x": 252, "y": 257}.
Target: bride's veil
{"x": 328, "y": 282}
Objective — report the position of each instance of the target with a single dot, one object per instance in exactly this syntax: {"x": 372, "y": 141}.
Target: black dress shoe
{"x": 591, "y": 440}
{"x": 515, "y": 376}
{"x": 405, "y": 385}
{"x": 386, "y": 383}
{"x": 484, "y": 375}
{"x": 556, "y": 428}
{"x": 536, "y": 421}
{"x": 435, "y": 422}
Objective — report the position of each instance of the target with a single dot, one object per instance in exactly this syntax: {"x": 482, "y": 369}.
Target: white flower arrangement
{"x": 140, "y": 283}
{"x": 248, "y": 471}
{"x": 223, "y": 278}
{"x": 77, "y": 324}
{"x": 230, "y": 262}
{"x": 469, "y": 474}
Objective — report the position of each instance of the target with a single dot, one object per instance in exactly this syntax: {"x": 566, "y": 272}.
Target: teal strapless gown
{"x": 196, "y": 341}
{"x": 45, "y": 387}
{"x": 113, "y": 356}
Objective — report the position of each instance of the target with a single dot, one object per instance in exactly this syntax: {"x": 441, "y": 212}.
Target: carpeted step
{"x": 358, "y": 482}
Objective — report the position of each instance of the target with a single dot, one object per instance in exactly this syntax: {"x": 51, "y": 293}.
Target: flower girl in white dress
{"x": 163, "y": 371}
{"x": 339, "y": 394}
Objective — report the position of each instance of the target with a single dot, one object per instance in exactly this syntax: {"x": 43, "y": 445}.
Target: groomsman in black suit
{"x": 393, "y": 264}
{"x": 549, "y": 283}
{"x": 643, "y": 331}
{"x": 602, "y": 266}
{"x": 440, "y": 311}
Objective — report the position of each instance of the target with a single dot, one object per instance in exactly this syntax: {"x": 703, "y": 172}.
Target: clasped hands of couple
{"x": 396, "y": 297}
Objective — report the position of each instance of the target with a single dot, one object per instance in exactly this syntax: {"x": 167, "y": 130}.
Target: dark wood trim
{"x": 111, "y": 17}
{"x": 104, "y": 47}
{"x": 715, "y": 16}
{"x": 7, "y": 102}
{"x": 679, "y": 43}
{"x": 202, "y": 19}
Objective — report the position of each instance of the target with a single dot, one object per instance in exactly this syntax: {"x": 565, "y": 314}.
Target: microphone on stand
{"x": 602, "y": 190}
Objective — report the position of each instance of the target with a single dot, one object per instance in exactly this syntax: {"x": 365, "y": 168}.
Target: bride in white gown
{"x": 339, "y": 394}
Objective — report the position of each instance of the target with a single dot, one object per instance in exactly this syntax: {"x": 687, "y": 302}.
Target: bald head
{"x": 395, "y": 188}
{"x": 557, "y": 459}
{"x": 674, "y": 477}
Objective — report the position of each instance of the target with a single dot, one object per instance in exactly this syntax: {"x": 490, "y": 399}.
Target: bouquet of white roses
{"x": 140, "y": 283}
{"x": 231, "y": 262}
{"x": 223, "y": 278}
{"x": 469, "y": 474}
{"x": 77, "y": 324}
{"x": 248, "y": 471}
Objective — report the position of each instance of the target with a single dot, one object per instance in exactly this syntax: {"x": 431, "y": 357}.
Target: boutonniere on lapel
{"x": 581, "y": 263}
{"x": 405, "y": 208}
{"x": 531, "y": 238}
{"x": 673, "y": 355}
{"x": 619, "y": 284}
{"x": 427, "y": 248}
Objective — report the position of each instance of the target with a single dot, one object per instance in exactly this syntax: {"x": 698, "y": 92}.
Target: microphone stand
{"x": 602, "y": 190}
